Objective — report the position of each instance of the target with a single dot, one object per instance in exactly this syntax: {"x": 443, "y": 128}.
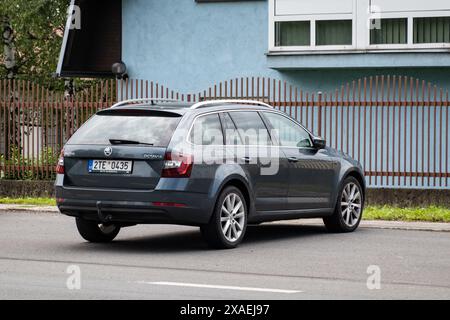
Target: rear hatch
{"x": 120, "y": 149}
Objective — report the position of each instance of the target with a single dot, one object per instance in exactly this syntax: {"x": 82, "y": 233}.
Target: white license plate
{"x": 110, "y": 166}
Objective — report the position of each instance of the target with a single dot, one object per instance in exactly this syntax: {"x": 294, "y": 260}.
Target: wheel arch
{"x": 358, "y": 176}
{"x": 243, "y": 186}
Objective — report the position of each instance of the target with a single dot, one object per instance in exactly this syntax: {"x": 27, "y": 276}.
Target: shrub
{"x": 19, "y": 167}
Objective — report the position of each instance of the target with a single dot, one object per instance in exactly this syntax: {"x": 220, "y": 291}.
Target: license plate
{"x": 110, "y": 166}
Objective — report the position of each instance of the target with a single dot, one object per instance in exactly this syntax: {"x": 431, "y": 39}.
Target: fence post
{"x": 319, "y": 114}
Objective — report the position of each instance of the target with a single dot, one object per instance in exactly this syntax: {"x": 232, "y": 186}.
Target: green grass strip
{"x": 29, "y": 201}
{"x": 431, "y": 214}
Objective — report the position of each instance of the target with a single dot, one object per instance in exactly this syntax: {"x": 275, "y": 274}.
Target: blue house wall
{"x": 189, "y": 46}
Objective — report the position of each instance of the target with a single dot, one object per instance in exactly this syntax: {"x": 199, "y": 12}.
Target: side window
{"x": 207, "y": 130}
{"x": 288, "y": 132}
{"x": 232, "y": 136}
{"x": 251, "y": 128}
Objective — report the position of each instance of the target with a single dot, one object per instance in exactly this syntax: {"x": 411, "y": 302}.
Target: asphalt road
{"x": 277, "y": 261}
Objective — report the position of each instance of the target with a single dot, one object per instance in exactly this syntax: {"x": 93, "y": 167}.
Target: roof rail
{"x": 230, "y": 101}
{"x": 151, "y": 100}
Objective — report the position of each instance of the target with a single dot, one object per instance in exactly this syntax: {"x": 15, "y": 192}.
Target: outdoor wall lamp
{"x": 119, "y": 69}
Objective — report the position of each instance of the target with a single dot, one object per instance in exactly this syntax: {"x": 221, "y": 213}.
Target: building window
{"x": 360, "y": 25}
{"x": 389, "y": 31}
{"x": 292, "y": 33}
{"x": 432, "y": 30}
{"x": 333, "y": 32}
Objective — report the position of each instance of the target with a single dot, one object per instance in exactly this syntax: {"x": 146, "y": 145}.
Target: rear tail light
{"x": 60, "y": 165}
{"x": 177, "y": 165}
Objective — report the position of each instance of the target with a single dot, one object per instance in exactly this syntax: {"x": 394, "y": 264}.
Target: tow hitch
{"x": 101, "y": 216}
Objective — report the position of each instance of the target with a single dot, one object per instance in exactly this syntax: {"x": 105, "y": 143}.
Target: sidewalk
{"x": 374, "y": 224}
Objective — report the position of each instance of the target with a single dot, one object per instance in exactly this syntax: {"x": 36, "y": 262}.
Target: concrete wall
{"x": 21, "y": 189}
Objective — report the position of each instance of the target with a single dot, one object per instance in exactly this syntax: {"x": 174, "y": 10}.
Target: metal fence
{"x": 398, "y": 127}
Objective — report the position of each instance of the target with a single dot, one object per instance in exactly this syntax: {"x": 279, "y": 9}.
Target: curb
{"x": 411, "y": 225}
{"x": 372, "y": 224}
{"x": 28, "y": 208}
{"x": 381, "y": 224}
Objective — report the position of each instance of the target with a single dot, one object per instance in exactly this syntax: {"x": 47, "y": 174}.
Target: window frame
{"x": 410, "y": 45}
{"x": 304, "y": 46}
{"x": 278, "y": 143}
{"x": 221, "y": 116}
{"x": 272, "y": 142}
{"x": 265, "y": 121}
{"x": 188, "y": 138}
{"x": 360, "y": 17}
{"x": 111, "y": 113}
{"x": 390, "y": 44}
{"x": 312, "y": 18}
{"x": 313, "y": 43}
{"x": 335, "y": 45}
{"x": 428, "y": 43}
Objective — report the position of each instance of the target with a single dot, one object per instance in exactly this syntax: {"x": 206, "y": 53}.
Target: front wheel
{"x": 229, "y": 221}
{"x": 349, "y": 208}
{"x": 94, "y": 232}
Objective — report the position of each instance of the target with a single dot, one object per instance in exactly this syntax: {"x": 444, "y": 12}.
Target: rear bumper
{"x": 134, "y": 207}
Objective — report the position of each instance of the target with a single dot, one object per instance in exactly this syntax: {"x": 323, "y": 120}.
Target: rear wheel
{"x": 349, "y": 208}
{"x": 229, "y": 221}
{"x": 95, "y": 232}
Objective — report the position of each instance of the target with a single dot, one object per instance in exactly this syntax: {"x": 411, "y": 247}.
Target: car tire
{"x": 349, "y": 208}
{"x": 228, "y": 223}
{"x": 94, "y": 232}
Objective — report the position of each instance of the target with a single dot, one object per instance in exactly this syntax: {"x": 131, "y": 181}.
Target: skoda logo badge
{"x": 108, "y": 151}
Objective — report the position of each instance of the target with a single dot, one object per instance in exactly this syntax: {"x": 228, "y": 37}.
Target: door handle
{"x": 293, "y": 159}
{"x": 246, "y": 159}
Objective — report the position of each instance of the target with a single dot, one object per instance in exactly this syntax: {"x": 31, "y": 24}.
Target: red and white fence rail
{"x": 397, "y": 127}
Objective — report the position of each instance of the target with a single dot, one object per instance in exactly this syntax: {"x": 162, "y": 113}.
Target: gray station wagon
{"x": 219, "y": 165}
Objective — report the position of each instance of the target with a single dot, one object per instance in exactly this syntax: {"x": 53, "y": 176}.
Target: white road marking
{"x": 209, "y": 286}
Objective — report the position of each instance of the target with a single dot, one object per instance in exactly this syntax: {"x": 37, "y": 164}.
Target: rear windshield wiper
{"x": 123, "y": 141}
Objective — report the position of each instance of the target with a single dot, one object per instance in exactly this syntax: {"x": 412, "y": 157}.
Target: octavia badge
{"x": 108, "y": 151}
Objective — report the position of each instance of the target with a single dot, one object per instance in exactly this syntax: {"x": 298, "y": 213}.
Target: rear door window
{"x": 251, "y": 128}
{"x": 207, "y": 131}
{"x": 146, "y": 128}
{"x": 232, "y": 136}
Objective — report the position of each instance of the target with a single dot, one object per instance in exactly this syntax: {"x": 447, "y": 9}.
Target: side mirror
{"x": 319, "y": 142}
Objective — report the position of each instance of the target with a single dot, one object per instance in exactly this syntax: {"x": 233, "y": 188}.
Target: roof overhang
{"x": 92, "y": 39}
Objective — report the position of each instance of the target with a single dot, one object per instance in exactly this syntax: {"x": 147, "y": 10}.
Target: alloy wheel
{"x": 351, "y": 204}
{"x": 232, "y": 217}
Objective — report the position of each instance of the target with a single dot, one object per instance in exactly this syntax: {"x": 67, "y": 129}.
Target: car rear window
{"x": 156, "y": 129}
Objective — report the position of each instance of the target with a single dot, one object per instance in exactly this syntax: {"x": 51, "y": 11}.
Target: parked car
{"x": 135, "y": 163}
